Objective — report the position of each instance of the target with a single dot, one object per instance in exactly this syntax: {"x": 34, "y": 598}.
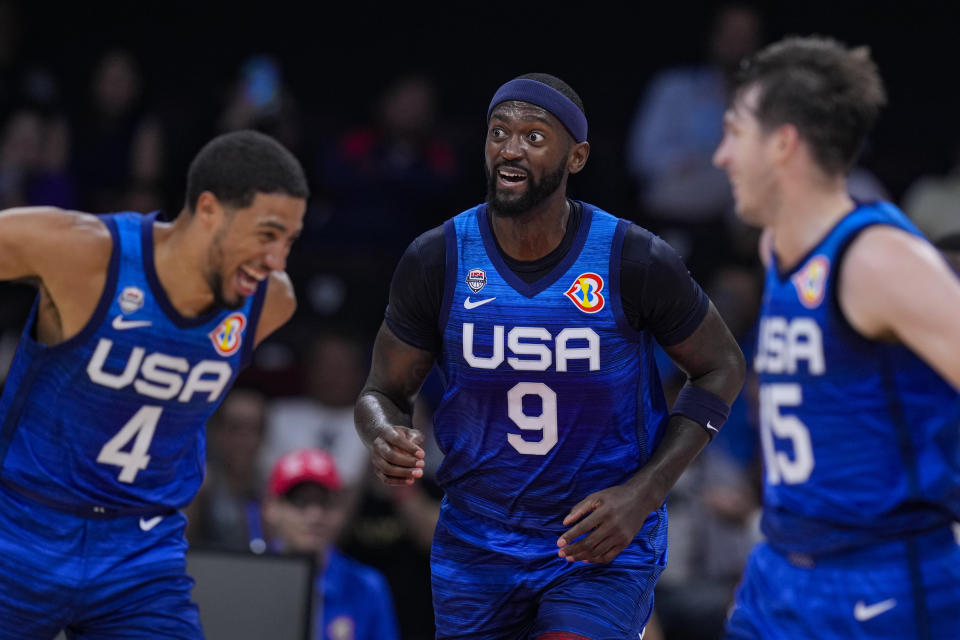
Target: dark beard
{"x": 536, "y": 192}
{"x": 215, "y": 277}
{"x": 216, "y": 284}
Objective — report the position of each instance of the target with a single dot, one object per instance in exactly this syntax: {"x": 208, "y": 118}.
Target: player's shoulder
{"x": 71, "y": 239}
{"x": 428, "y": 250}
{"x": 76, "y": 225}
{"x": 279, "y": 305}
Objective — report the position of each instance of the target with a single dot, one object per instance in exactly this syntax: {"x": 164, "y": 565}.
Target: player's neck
{"x": 178, "y": 261}
{"x": 805, "y": 215}
{"x": 535, "y": 233}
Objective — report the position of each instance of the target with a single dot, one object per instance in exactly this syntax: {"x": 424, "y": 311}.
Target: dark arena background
{"x": 103, "y": 104}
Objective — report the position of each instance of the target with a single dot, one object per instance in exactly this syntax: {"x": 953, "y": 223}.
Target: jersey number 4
{"x": 780, "y": 466}
{"x": 140, "y": 428}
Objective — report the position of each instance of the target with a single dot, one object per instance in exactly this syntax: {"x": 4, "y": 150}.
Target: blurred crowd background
{"x": 103, "y": 105}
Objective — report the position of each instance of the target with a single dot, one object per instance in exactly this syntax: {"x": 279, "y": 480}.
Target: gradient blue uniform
{"x": 861, "y": 444}
{"x": 549, "y": 396}
{"x": 101, "y": 441}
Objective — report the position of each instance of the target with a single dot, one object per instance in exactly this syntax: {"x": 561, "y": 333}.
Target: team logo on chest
{"x": 476, "y": 279}
{"x": 811, "y": 281}
{"x": 131, "y": 299}
{"x": 228, "y": 335}
{"x": 585, "y": 292}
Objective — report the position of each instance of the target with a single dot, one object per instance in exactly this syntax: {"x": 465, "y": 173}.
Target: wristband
{"x": 703, "y": 407}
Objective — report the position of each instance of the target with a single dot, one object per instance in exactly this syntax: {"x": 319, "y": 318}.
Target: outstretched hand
{"x": 397, "y": 455}
{"x": 608, "y": 519}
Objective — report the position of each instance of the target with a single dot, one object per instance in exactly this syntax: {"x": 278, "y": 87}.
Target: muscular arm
{"x": 66, "y": 254}
{"x": 278, "y": 306}
{"x": 383, "y": 411}
{"x": 894, "y": 286}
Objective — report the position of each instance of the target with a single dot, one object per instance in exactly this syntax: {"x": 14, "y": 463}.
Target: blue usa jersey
{"x": 861, "y": 439}
{"x": 112, "y": 419}
{"x": 550, "y": 394}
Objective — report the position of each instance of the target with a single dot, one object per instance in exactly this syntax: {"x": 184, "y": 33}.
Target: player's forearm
{"x": 683, "y": 440}
{"x": 375, "y": 411}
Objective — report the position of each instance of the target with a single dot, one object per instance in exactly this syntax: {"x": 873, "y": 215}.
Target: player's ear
{"x": 208, "y": 209}
{"x": 785, "y": 141}
{"x": 577, "y": 157}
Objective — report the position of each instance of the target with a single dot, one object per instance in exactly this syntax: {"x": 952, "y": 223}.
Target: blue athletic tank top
{"x": 111, "y": 421}
{"x": 549, "y": 394}
{"x": 861, "y": 439}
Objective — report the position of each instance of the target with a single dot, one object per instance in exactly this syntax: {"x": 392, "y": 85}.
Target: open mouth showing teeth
{"x": 249, "y": 279}
{"x": 511, "y": 176}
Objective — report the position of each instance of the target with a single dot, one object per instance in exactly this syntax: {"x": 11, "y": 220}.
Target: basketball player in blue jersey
{"x": 139, "y": 328}
{"x": 559, "y": 450}
{"x": 858, "y": 363}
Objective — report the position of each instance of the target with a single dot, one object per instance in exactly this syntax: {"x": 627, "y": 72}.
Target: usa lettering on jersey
{"x": 160, "y": 376}
{"x": 534, "y": 341}
{"x": 784, "y": 344}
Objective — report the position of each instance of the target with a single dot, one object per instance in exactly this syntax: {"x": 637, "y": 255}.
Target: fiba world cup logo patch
{"x": 228, "y": 335}
{"x": 476, "y": 279}
{"x": 811, "y": 281}
{"x": 585, "y": 292}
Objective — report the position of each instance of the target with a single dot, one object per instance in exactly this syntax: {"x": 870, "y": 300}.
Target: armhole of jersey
{"x": 837, "y": 266}
{"x": 253, "y": 319}
{"x": 106, "y": 296}
{"x": 449, "y": 273}
{"x": 616, "y": 268}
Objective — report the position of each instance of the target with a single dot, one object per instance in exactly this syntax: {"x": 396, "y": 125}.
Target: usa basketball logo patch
{"x": 476, "y": 279}
{"x": 811, "y": 281}
{"x": 226, "y": 338}
{"x": 131, "y": 299}
{"x": 585, "y": 292}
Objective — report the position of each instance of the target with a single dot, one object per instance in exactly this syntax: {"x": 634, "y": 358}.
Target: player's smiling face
{"x": 252, "y": 242}
{"x": 746, "y": 153}
{"x": 526, "y": 152}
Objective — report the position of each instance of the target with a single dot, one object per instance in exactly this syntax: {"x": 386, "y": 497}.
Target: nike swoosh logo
{"x": 120, "y": 324}
{"x": 473, "y": 304}
{"x": 146, "y": 525}
{"x": 863, "y": 612}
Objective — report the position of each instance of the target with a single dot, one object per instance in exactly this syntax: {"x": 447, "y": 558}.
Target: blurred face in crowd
{"x": 526, "y": 151}
{"x": 236, "y": 433}
{"x": 308, "y": 518}
{"x": 747, "y": 154}
{"x": 249, "y": 243}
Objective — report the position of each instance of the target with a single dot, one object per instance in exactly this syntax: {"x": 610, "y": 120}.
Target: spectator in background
{"x": 225, "y": 512}
{"x": 118, "y": 153}
{"x": 335, "y": 366}
{"x": 33, "y": 161}
{"x": 378, "y": 184}
{"x": 261, "y": 99}
{"x": 714, "y": 507}
{"x": 672, "y": 136}
{"x": 304, "y": 511}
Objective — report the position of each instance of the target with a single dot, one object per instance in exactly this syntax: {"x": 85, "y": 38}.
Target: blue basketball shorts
{"x": 118, "y": 578}
{"x": 895, "y": 590}
{"x": 518, "y": 587}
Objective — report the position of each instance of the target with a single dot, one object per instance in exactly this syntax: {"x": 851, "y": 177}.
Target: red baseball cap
{"x": 303, "y": 465}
